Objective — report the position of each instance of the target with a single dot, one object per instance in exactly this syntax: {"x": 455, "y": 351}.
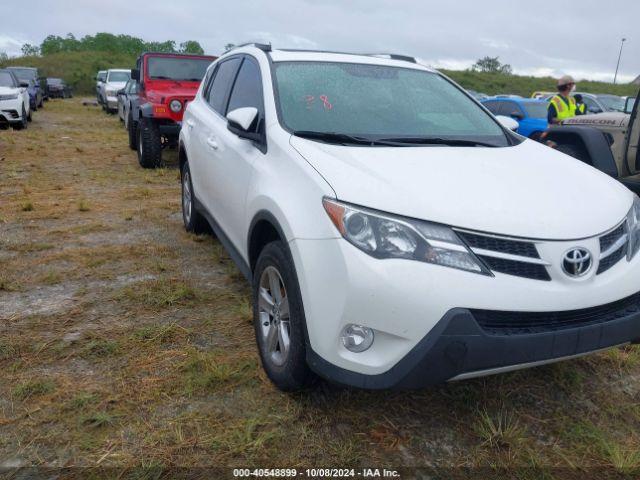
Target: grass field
{"x": 126, "y": 344}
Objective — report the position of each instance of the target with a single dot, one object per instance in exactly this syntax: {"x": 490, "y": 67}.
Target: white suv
{"x": 15, "y": 108}
{"x": 395, "y": 233}
{"x": 115, "y": 81}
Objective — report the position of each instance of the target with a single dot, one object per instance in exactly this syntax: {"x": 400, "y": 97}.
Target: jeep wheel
{"x": 278, "y": 318}
{"x": 149, "y": 144}
{"x": 132, "y": 130}
{"x": 193, "y": 221}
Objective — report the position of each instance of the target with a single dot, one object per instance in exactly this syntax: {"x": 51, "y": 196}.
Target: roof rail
{"x": 394, "y": 56}
{"x": 261, "y": 46}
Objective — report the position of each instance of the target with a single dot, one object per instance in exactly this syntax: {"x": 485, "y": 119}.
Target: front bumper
{"x": 458, "y": 348}
{"x": 112, "y": 103}
{"x": 410, "y": 306}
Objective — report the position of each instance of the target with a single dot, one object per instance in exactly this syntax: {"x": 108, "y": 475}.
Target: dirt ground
{"x": 126, "y": 344}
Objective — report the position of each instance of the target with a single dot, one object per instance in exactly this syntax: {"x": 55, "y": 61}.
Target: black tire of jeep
{"x": 295, "y": 373}
{"x": 195, "y": 222}
{"x": 132, "y": 130}
{"x": 23, "y": 122}
{"x": 149, "y": 144}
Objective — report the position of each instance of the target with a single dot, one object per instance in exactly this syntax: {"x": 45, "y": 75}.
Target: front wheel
{"x": 149, "y": 144}
{"x": 23, "y": 120}
{"x": 279, "y": 321}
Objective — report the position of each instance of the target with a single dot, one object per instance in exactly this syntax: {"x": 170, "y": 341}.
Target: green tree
{"x": 29, "y": 50}
{"x": 491, "y": 65}
{"x": 3, "y": 58}
{"x": 191, "y": 46}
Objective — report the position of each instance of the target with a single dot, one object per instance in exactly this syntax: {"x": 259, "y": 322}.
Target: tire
{"x": 23, "y": 122}
{"x": 29, "y": 116}
{"x": 193, "y": 220}
{"x": 285, "y": 366}
{"x": 132, "y": 130}
{"x": 41, "y": 104}
{"x": 149, "y": 144}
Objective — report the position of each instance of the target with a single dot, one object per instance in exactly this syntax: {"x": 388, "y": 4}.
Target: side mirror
{"x": 24, "y": 84}
{"x": 508, "y": 122}
{"x": 240, "y": 120}
{"x": 120, "y": 92}
{"x": 135, "y": 74}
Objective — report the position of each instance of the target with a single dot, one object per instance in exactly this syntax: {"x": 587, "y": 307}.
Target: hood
{"x": 608, "y": 119}
{"x": 115, "y": 85}
{"x": 8, "y": 91}
{"x": 528, "y": 190}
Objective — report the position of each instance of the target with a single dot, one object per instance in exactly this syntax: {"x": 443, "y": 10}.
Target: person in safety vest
{"x": 581, "y": 107}
{"x": 562, "y": 105}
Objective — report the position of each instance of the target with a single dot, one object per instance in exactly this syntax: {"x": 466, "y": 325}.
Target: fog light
{"x": 357, "y": 338}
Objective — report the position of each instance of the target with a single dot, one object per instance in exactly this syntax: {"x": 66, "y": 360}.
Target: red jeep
{"x": 167, "y": 81}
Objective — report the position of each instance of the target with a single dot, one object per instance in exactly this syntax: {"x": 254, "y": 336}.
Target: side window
{"x": 492, "y": 107}
{"x": 247, "y": 89}
{"x": 511, "y": 109}
{"x": 592, "y": 106}
{"x": 221, "y": 83}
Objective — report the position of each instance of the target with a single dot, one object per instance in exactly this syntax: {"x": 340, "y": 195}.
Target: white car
{"x": 15, "y": 107}
{"x": 394, "y": 232}
{"x": 115, "y": 80}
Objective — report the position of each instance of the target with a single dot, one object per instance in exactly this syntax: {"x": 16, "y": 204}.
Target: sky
{"x": 579, "y": 38}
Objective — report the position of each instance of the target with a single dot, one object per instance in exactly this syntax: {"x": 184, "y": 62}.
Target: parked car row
{"x": 151, "y": 99}
{"x": 23, "y": 91}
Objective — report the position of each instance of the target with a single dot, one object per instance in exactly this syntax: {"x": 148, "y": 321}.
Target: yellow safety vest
{"x": 563, "y": 110}
{"x": 582, "y": 108}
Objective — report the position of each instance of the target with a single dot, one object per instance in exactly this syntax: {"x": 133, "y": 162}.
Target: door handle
{"x": 212, "y": 143}
{"x": 190, "y": 123}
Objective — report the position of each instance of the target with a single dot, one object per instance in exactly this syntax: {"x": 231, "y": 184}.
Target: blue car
{"x": 30, "y": 75}
{"x": 530, "y": 113}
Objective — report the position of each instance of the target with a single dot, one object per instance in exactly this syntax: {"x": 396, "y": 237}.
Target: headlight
{"x": 389, "y": 236}
{"x": 11, "y": 96}
{"x": 633, "y": 224}
{"x": 175, "y": 106}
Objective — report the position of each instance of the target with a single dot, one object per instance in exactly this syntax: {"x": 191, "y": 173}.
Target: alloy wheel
{"x": 273, "y": 311}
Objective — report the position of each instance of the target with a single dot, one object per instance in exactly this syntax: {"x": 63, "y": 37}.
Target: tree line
{"x": 107, "y": 42}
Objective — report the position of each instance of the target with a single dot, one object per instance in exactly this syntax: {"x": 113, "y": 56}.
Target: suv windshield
{"x": 6, "y": 80}
{"x": 177, "y": 68}
{"x": 379, "y": 102}
{"x": 536, "y": 109}
{"x": 118, "y": 76}
{"x": 23, "y": 73}
{"x": 612, "y": 102}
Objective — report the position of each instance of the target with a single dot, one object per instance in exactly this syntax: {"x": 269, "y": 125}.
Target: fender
{"x": 146, "y": 110}
{"x": 593, "y": 140}
{"x": 269, "y": 217}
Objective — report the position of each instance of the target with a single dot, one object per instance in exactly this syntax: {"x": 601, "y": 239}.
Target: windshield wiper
{"x": 453, "y": 142}
{"x": 344, "y": 139}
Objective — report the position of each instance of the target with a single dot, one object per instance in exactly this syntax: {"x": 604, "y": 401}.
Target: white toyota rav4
{"x": 395, "y": 233}
{"x": 15, "y": 109}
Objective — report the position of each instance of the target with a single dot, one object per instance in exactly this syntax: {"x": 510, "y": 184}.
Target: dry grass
{"x": 126, "y": 343}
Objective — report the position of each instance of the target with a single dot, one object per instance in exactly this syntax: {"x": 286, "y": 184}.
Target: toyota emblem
{"x": 577, "y": 262}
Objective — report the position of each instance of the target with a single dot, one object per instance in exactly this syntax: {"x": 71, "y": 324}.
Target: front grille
{"x": 519, "y": 269}
{"x": 513, "y": 247}
{"x": 608, "y": 262}
{"x": 519, "y": 323}
{"x": 610, "y": 238}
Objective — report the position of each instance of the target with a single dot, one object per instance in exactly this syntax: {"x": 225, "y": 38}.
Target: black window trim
{"x": 262, "y": 146}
